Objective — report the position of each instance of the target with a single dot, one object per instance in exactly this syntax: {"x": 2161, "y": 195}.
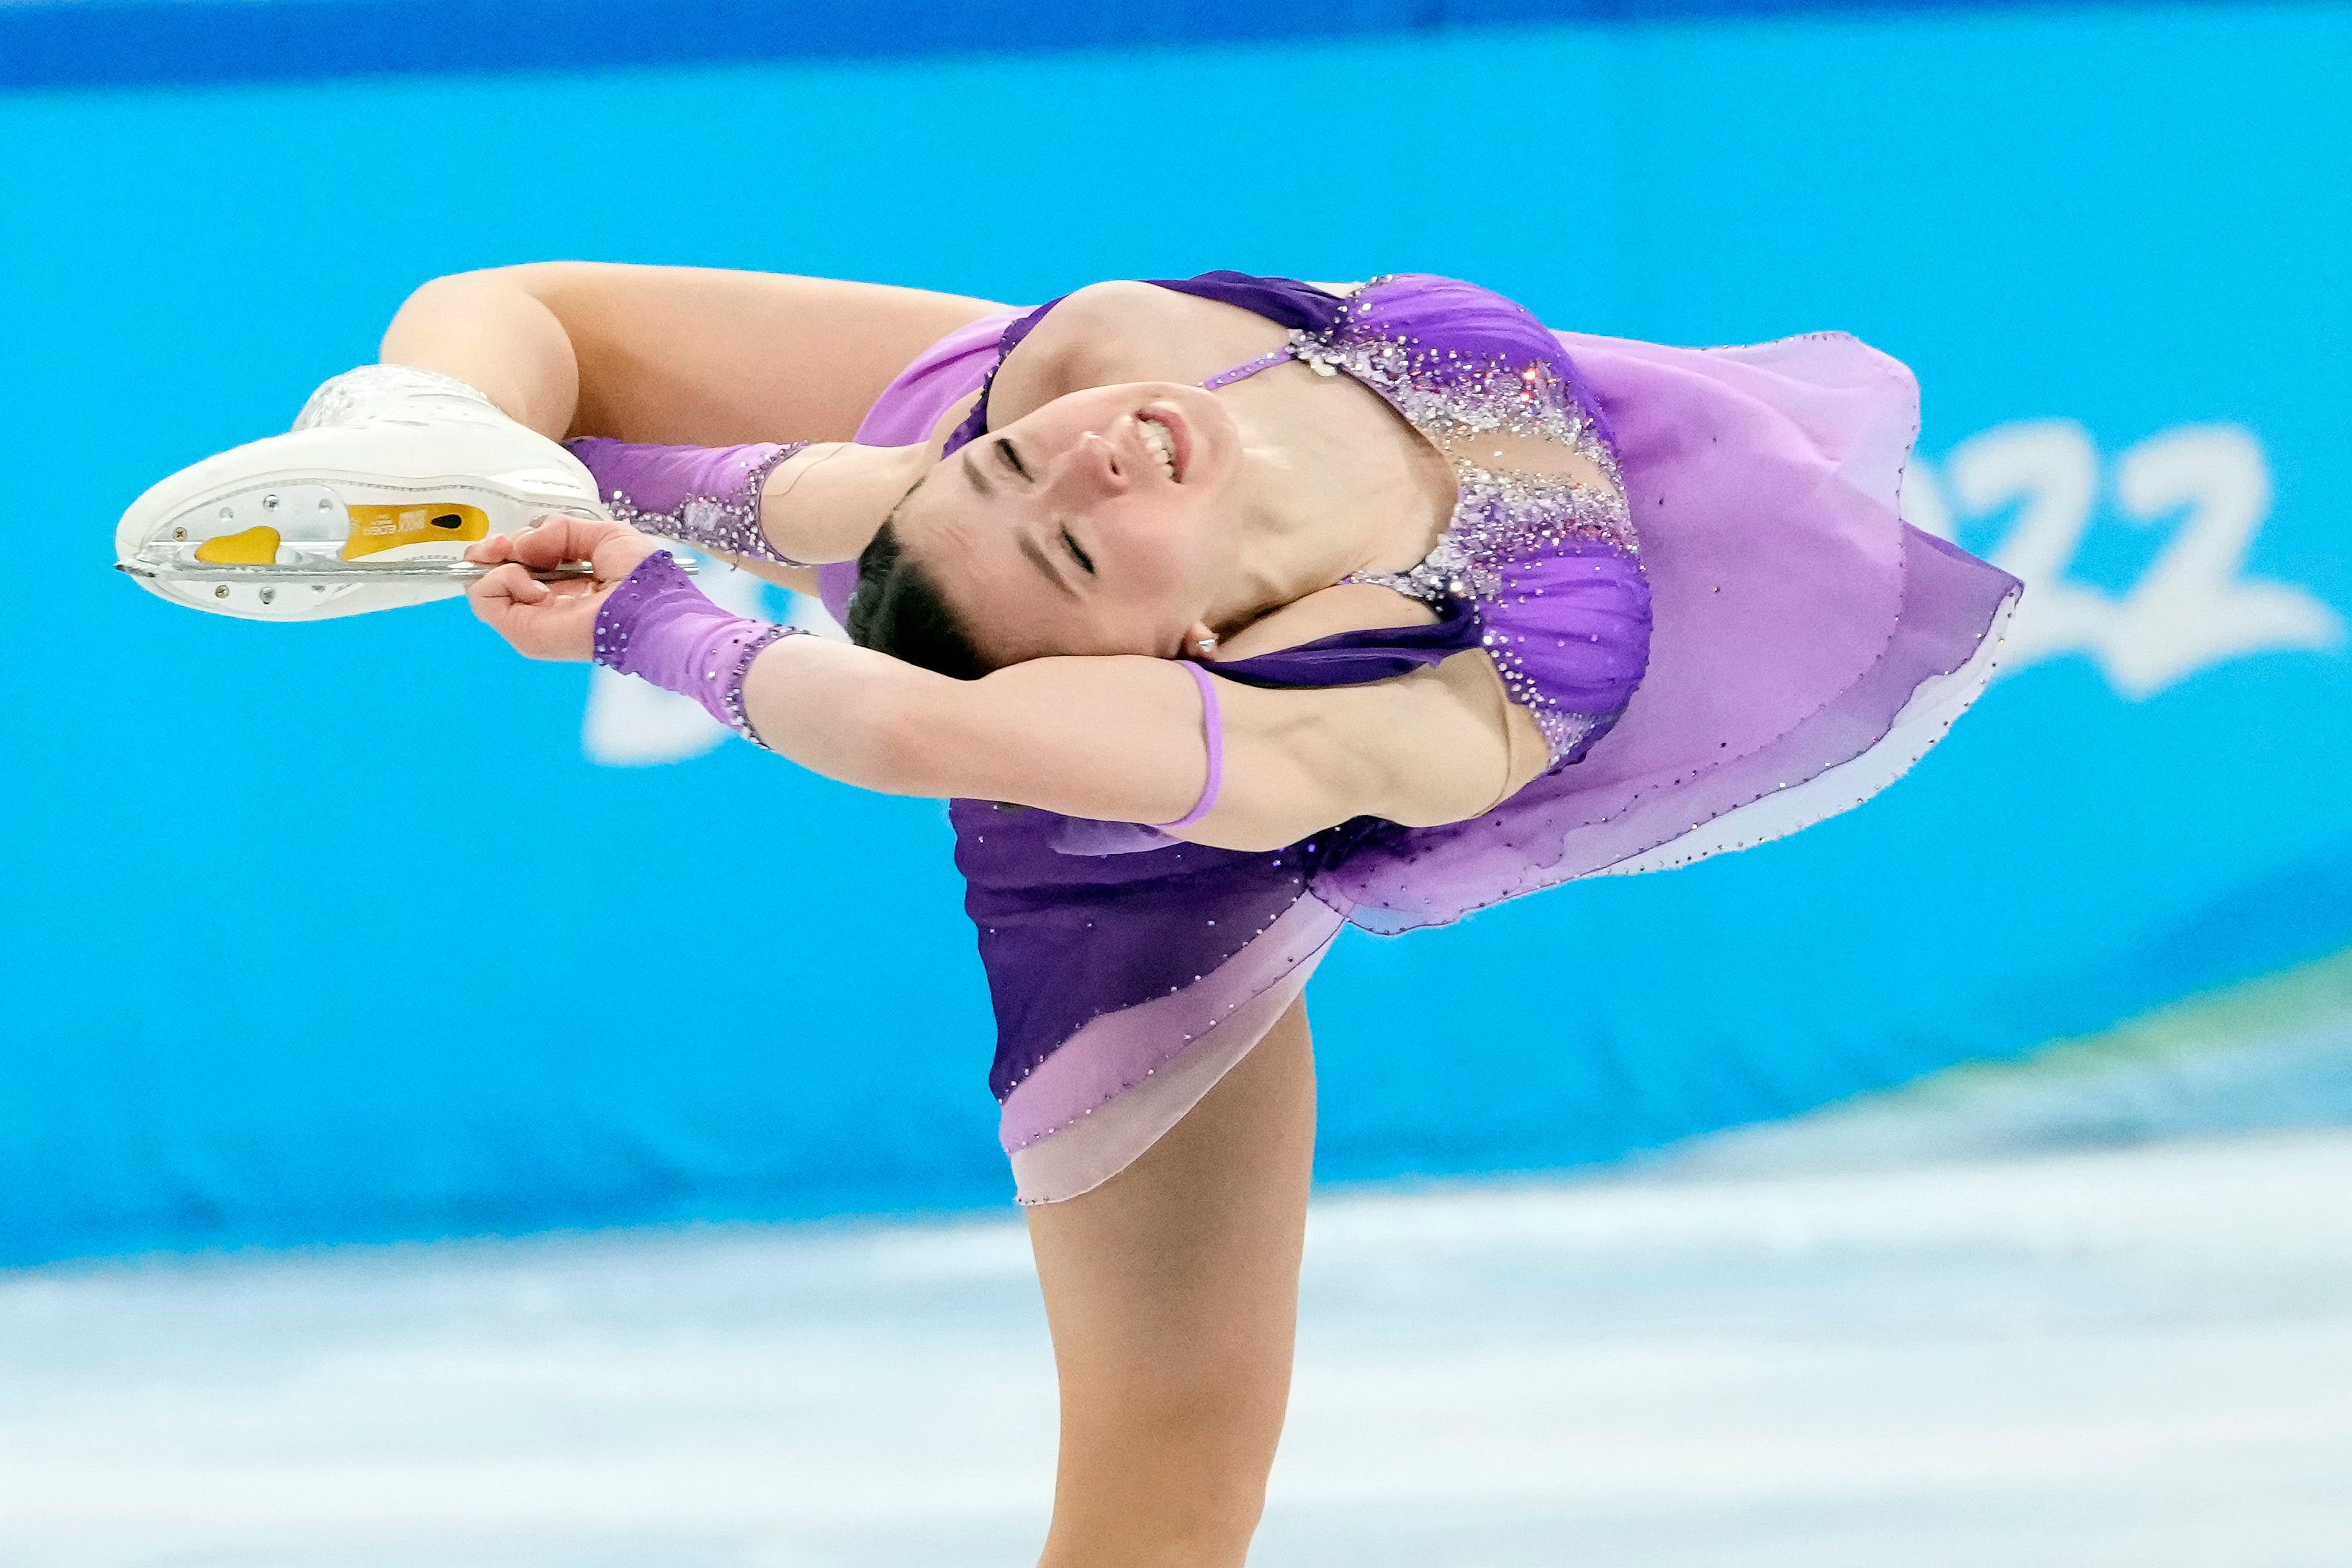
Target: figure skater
{"x": 1226, "y": 610}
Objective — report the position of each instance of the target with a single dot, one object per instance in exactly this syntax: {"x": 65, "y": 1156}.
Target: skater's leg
{"x": 1173, "y": 1291}
{"x": 688, "y": 355}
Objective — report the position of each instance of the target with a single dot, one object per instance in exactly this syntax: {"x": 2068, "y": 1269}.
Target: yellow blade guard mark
{"x": 253, "y": 547}
{"x": 381, "y": 528}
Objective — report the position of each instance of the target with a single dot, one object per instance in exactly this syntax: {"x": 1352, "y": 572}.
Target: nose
{"x": 1090, "y": 469}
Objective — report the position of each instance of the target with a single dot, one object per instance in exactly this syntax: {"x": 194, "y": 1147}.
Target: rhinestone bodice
{"x": 1539, "y": 508}
{"x": 1499, "y": 511}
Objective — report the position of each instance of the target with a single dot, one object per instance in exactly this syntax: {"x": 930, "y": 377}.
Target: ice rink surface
{"x": 2139, "y": 1357}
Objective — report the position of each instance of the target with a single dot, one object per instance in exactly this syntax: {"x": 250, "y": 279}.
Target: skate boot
{"x": 368, "y": 503}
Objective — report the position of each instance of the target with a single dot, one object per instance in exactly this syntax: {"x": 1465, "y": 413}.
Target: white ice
{"x": 2137, "y": 1357}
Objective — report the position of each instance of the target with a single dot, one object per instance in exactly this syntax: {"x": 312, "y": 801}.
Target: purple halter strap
{"x": 1213, "y": 726}
{"x": 1244, "y": 371}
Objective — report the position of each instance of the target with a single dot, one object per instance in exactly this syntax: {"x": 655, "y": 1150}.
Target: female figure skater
{"x": 1382, "y": 602}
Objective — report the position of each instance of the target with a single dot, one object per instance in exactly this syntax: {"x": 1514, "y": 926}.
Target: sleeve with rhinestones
{"x": 658, "y": 627}
{"x": 707, "y": 497}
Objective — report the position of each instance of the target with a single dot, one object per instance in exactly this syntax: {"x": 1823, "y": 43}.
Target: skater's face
{"x": 1104, "y": 522}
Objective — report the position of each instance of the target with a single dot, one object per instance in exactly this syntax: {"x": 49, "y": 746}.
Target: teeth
{"x": 1162, "y": 445}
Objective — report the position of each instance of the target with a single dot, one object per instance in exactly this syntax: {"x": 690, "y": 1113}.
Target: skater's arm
{"x": 767, "y": 507}
{"x": 1128, "y": 739}
{"x": 1120, "y": 738}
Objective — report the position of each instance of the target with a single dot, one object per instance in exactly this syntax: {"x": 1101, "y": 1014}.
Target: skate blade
{"x": 236, "y": 572}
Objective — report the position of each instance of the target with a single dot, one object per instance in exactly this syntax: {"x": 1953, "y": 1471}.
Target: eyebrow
{"x": 1045, "y": 564}
{"x": 971, "y": 472}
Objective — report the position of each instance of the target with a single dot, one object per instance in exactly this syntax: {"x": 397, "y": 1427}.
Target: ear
{"x": 1200, "y": 642}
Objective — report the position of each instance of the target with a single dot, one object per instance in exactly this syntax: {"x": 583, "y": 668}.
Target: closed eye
{"x": 1012, "y": 459}
{"x": 1085, "y": 561}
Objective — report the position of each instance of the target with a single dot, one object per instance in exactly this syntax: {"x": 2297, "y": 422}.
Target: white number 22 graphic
{"x": 2193, "y": 607}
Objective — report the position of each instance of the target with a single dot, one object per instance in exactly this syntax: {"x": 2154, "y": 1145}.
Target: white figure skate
{"x": 368, "y": 504}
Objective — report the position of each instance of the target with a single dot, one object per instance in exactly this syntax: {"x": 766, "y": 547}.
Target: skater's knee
{"x": 488, "y": 329}
{"x": 534, "y": 310}
{"x": 461, "y": 295}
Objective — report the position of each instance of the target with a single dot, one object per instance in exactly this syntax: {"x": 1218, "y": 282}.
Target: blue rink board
{"x": 90, "y": 43}
{"x": 335, "y": 931}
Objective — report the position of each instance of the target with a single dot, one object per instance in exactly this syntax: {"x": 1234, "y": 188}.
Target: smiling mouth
{"x": 1165, "y": 442}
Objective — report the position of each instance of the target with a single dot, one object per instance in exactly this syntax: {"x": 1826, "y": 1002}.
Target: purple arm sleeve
{"x": 1214, "y": 727}
{"x": 657, "y": 625}
{"x": 704, "y": 496}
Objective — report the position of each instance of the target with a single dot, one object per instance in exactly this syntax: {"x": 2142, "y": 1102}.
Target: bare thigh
{"x": 1173, "y": 1294}
{"x": 696, "y": 357}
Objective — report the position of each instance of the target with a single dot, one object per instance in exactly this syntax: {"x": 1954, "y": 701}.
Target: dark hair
{"x": 897, "y": 609}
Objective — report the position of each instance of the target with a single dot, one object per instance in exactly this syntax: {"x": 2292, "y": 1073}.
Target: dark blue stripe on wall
{"x": 114, "y": 43}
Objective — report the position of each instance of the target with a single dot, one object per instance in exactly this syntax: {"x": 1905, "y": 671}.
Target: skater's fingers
{"x": 542, "y": 620}
{"x": 497, "y": 594}
{"x": 489, "y": 552}
{"x": 572, "y": 588}
{"x": 542, "y": 546}
{"x": 551, "y": 540}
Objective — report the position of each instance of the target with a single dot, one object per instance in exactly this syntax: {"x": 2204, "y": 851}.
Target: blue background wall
{"x": 84, "y": 42}
{"x": 335, "y": 931}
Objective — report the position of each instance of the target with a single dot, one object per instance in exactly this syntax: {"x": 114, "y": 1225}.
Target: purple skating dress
{"x": 1733, "y": 637}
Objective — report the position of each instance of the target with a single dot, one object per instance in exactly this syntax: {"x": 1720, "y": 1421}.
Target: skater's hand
{"x": 552, "y": 620}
